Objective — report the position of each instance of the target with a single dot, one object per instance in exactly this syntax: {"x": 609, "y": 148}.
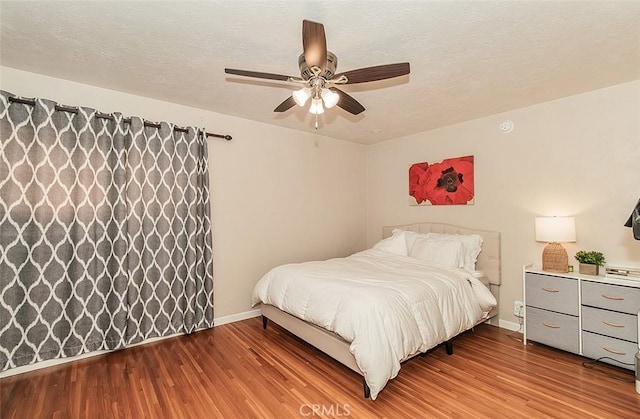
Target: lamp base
{"x": 554, "y": 258}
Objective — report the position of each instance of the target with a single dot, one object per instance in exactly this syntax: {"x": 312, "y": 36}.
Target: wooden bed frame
{"x": 337, "y": 348}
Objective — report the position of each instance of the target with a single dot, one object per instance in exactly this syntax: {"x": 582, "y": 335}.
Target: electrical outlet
{"x": 518, "y": 309}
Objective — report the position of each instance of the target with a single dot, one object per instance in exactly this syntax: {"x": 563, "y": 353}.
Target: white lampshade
{"x": 316, "y": 106}
{"x": 555, "y": 229}
{"x": 330, "y": 98}
{"x": 301, "y": 96}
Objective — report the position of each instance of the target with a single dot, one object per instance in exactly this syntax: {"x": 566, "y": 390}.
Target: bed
{"x": 374, "y": 351}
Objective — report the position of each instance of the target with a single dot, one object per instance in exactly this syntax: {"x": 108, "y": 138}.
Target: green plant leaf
{"x": 591, "y": 257}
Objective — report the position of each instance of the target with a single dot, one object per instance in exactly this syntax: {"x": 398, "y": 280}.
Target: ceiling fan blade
{"x": 379, "y": 72}
{"x": 256, "y": 74}
{"x": 348, "y": 103}
{"x": 286, "y": 105}
{"x": 314, "y": 44}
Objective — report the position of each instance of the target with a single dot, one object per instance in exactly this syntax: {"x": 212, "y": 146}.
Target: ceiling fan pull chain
{"x": 316, "y": 121}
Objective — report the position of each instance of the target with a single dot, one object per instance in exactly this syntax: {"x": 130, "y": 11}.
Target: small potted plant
{"x": 589, "y": 261}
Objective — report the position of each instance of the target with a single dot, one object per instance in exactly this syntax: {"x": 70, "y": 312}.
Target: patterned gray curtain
{"x": 105, "y": 235}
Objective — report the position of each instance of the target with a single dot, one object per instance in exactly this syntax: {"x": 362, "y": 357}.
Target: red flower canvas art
{"x": 449, "y": 182}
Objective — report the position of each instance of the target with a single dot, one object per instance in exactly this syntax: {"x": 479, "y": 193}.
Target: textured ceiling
{"x": 468, "y": 59}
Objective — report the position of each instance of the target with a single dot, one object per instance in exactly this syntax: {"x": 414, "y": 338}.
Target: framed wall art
{"x": 446, "y": 182}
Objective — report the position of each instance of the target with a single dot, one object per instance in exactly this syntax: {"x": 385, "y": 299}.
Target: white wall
{"x": 282, "y": 195}
{"x": 578, "y": 156}
{"x": 278, "y": 195}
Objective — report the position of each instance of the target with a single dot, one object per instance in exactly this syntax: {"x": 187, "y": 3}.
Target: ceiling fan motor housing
{"x": 332, "y": 64}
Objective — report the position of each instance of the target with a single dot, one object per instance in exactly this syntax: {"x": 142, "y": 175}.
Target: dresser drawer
{"x": 552, "y": 293}
{"x": 611, "y": 297}
{"x": 610, "y": 323}
{"x": 598, "y": 346}
{"x": 561, "y": 331}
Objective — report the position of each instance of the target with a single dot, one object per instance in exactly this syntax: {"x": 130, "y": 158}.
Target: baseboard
{"x": 509, "y": 325}
{"x": 59, "y": 361}
{"x": 53, "y": 362}
{"x": 49, "y": 363}
{"x": 236, "y": 317}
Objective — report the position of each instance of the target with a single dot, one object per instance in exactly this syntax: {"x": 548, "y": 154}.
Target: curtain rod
{"x": 71, "y": 109}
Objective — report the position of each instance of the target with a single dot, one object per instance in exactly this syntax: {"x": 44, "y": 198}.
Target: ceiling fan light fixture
{"x": 330, "y": 98}
{"x": 316, "y": 106}
{"x": 301, "y": 96}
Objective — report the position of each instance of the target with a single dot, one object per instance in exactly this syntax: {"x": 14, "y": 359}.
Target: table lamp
{"x": 555, "y": 230}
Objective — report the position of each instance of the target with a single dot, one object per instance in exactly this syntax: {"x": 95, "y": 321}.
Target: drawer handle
{"x": 613, "y": 351}
{"x": 549, "y": 289}
{"x": 608, "y": 297}
{"x": 553, "y": 326}
{"x": 612, "y": 324}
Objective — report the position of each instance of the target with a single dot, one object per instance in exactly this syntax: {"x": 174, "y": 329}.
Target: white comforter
{"x": 388, "y": 306}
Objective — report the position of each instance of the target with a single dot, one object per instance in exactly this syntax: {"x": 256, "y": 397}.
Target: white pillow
{"x": 410, "y": 237}
{"x": 395, "y": 244}
{"x": 443, "y": 252}
{"x": 472, "y": 244}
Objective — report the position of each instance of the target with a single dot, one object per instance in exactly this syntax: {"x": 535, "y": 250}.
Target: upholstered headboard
{"x": 488, "y": 259}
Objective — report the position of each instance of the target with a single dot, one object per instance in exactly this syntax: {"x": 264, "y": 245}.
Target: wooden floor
{"x": 241, "y": 371}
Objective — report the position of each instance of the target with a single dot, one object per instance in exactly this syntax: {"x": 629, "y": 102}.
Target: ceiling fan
{"x": 318, "y": 75}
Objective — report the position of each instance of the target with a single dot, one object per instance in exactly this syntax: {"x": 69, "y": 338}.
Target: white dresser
{"x": 593, "y": 316}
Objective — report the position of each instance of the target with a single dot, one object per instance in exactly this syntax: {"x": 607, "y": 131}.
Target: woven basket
{"x": 555, "y": 258}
